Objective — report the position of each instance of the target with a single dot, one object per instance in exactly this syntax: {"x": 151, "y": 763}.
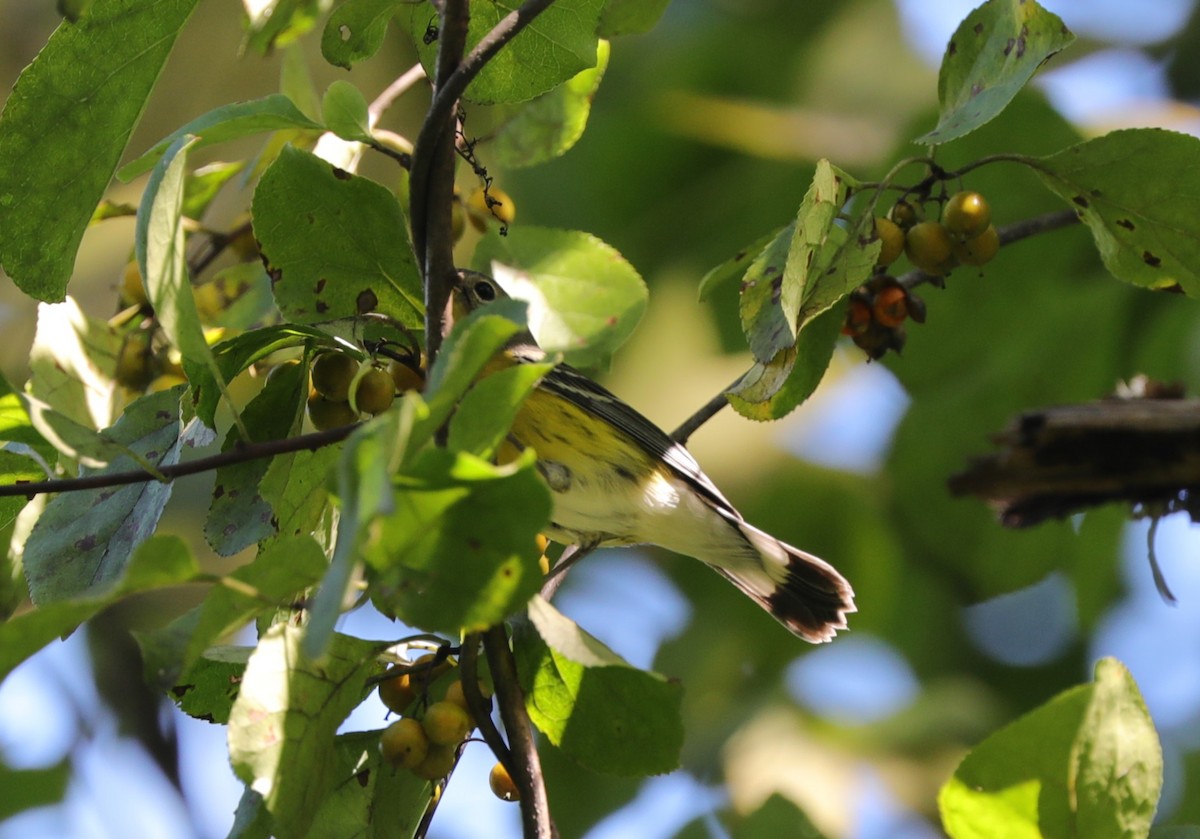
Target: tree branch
{"x": 468, "y": 661}
{"x": 1009, "y": 233}
{"x": 431, "y": 184}
{"x": 535, "y": 808}
{"x": 240, "y": 454}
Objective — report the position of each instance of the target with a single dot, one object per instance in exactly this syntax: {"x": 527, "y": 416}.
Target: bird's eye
{"x": 485, "y": 291}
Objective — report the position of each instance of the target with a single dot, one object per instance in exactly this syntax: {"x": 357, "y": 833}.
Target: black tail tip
{"x": 813, "y": 599}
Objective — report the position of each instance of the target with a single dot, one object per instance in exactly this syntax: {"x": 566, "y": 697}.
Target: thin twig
{"x": 706, "y": 412}
{"x": 394, "y": 91}
{"x": 535, "y": 808}
{"x": 558, "y": 574}
{"x": 240, "y": 454}
{"x": 468, "y": 660}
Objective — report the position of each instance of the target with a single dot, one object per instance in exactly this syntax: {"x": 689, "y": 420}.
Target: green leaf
{"x": 630, "y": 17}
{"x": 73, "y": 364}
{"x": 559, "y": 43}
{"x": 296, "y": 488}
{"x": 159, "y": 243}
{"x": 345, "y": 112}
{"x": 25, "y": 789}
{"x": 239, "y": 516}
{"x": 275, "y": 112}
{"x": 203, "y": 185}
{"x": 282, "y": 22}
{"x": 285, "y": 567}
{"x": 1059, "y": 770}
{"x": 486, "y": 413}
{"x": 1116, "y": 762}
{"x": 335, "y": 243}
{"x": 286, "y": 715}
{"x": 807, "y": 268}
{"x": 64, "y": 128}
{"x": 459, "y": 552}
{"x": 584, "y": 298}
{"x": 355, "y": 30}
{"x": 364, "y": 486}
{"x": 777, "y": 816}
{"x": 572, "y": 684}
{"x": 370, "y": 797}
{"x": 771, "y": 390}
{"x": 992, "y": 55}
{"x": 89, "y": 447}
{"x": 768, "y": 328}
{"x": 736, "y": 265}
{"x": 160, "y": 561}
{"x": 1139, "y": 194}
{"x": 212, "y": 683}
{"x": 83, "y": 540}
{"x": 471, "y": 344}
{"x": 548, "y": 126}
{"x": 826, "y": 261}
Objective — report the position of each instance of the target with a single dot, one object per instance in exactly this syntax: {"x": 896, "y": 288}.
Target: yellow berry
{"x": 930, "y": 248}
{"x": 967, "y": 214}
{"x": 403, "y": 743}
{"x": 166, "y": 381}
{"x": 136, "y": 367}
{"x": 397, "y": 693}
{"x": 979, "y": 250}
{"x": 406, "y": 376}
{"x": 903, "y": 214}
{"x": 210, "y": 302}
{"x": 325, "y": 414}
{"x": 437, "y": 763}
{"x": 502, "y": 784}
{"x": 456, "y": 695}
{"x": 332, "y": 374}
{"x": 891, "y": 238}
{"x": 446, "y": 724}
{"x": 373, "y": 392}
{"x": 133, "y": 290}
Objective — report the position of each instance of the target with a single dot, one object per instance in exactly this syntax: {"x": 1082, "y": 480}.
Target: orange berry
{"x": 406, "y": 377}
{"x": 891, "y": 306}
{"x": 858, "y": 317}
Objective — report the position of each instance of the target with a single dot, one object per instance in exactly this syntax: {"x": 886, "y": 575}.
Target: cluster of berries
{"x": 343, "y": 388}
{"x": 965, "y": 235}
{"x": 429, "y": 735}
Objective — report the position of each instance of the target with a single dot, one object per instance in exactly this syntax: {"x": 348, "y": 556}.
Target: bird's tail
{"x": 801, "y": 591}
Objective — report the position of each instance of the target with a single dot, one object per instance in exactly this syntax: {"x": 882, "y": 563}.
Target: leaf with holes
{"x": 1138, "y": 191}
{"x": 335, "y": 243}
{"x": 992, "y": 55}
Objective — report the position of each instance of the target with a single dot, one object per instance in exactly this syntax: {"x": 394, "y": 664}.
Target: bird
{"x": 617, "y": 479}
